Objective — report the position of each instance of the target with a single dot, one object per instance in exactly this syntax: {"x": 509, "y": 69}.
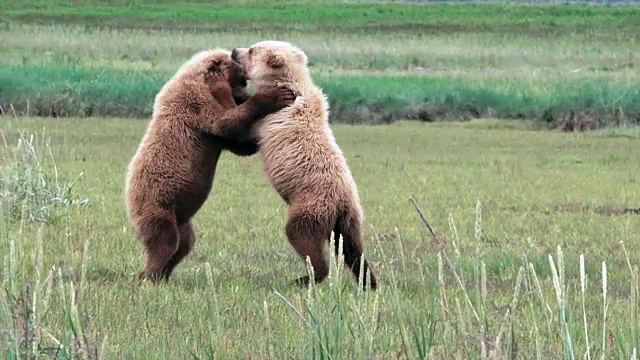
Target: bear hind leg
{"x": 160, "y": 237}
{"x": 187, "y": 240}
{"x": 349, "y": 228}
{"x": 307, "y": 234}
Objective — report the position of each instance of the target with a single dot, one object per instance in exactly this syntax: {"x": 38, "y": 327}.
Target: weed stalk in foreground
{"x": 31, "y": 192}
{"x": 475, "y": 322}
{"x": 31, "y": 189}
{"x": 29, "y": 304}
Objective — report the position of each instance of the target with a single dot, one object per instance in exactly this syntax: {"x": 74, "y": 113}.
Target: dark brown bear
{"x": 194, "y": 118}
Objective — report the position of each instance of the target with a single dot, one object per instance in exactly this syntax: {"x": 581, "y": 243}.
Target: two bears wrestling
{"x": 205, "y": 108}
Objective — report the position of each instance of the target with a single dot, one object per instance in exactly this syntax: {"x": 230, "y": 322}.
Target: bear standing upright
{"x": 194, "y": 118}
{"x": 303, "y": 161}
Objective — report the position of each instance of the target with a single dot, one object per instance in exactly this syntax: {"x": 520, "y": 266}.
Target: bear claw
{"x": 143, "y": 276}
{"x": 302, "y": 281}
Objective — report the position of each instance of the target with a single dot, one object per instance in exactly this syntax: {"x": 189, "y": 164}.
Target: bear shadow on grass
{"x": 192, "y": 279}
{"x": 104, "y": 275}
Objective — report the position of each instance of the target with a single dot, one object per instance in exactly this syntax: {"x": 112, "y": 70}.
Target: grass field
{"x": 568, "y": 67}
{"x": 514, "y": 206}
{"x": 513, "y": 196}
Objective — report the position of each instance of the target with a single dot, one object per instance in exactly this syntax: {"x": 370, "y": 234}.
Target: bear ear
{"x": 215, "y": 65}
{"x": 302, "y": 58}
{"x": 275, "y": 60}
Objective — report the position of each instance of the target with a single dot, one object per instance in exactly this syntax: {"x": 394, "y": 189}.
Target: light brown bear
{"x": 303, "y": 161}
{"x": 194, "y": 119}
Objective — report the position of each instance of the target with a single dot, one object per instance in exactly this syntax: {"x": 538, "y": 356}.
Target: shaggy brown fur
{"x": 303, "y": 161}
{"x": 195, "y": 117}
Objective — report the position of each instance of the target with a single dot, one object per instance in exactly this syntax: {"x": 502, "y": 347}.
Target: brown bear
{"x": 303, "y": 161}
{"x": 194, "y": 119}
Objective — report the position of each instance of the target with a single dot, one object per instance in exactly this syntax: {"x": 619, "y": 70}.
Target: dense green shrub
{"x": 583, "y": 104}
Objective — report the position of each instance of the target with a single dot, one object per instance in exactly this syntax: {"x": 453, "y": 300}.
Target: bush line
{"x": 579, "y": 105}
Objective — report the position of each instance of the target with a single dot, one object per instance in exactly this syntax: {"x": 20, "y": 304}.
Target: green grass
{"x": 503, "y": 198}
{"x": 570, "y": 67}
{"x": 324, "y": 15}
{"x": 567, "y": 67}
{"x": 67, "y": 91}
{"x": 513, "y": 207}
{"x": 513, "y": 196}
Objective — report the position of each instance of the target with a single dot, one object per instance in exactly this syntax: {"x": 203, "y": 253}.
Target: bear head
{"x": 271, "y": 60}
{"x": 216, "y": 62}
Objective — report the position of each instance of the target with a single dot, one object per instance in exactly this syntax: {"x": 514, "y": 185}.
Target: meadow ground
{"x": 514, "y": 206}
{"x": 514, "y": 196}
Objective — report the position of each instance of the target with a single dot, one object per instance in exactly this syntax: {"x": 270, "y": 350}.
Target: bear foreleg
{"x": 240, "y": 148}
{"x": 235, "y": 121}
